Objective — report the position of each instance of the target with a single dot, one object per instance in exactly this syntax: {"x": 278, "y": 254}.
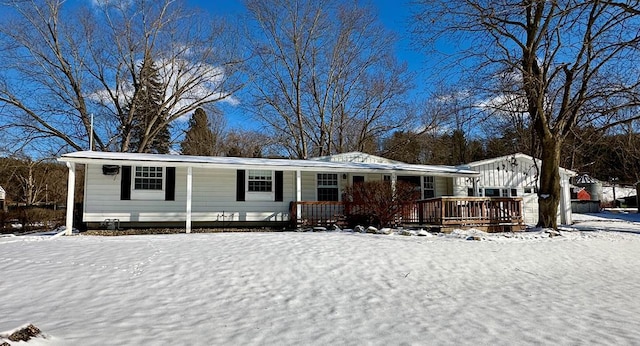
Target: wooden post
{"x": 71, "y": 184}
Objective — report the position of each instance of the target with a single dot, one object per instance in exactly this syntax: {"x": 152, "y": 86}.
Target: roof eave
{"x": 279, "y": 164}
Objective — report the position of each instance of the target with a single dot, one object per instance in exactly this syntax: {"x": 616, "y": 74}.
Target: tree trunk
{"x": 549, "y": 191}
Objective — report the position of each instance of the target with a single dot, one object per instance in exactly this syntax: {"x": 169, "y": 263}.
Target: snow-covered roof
{"x": 517, "y": 156}
{"x": 354, "y": 156}
{"x": 98, "y": 157}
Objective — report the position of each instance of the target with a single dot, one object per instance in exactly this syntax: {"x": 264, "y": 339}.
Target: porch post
{"x": 298, "y": 196}
{"x": 189, "y": 189}
{"x": 394, "y": 180}
{"x": 565, "y": 201}
{"x": 476, "y": 188}
{"x": 71, "y": 183}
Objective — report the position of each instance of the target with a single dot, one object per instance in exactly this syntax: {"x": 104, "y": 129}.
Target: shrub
{"x": 377, "y": 203}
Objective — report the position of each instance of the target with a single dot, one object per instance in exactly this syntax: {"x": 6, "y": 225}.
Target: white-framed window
{"x": 259, "y": 185}
{"x": 148, "y": 178}
{"x": 148, "y": 183}
{"x": 498, "y": 192}
{"x": 491, "y": 192}
{"x": 328, "y": 189}
{"x": 259, "y": 180}
{"x": 428, "y": 187}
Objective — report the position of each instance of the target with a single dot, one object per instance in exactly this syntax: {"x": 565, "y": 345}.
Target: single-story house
{"x": 185, "y": 191}
{"x": 516, "y": 175}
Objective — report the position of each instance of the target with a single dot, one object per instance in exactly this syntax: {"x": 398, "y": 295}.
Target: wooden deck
{"x": 491, "y": 214}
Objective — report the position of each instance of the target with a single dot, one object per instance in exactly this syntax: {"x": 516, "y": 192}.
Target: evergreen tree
{"x": 198, "y": 139}
{"x": 149, "y": 133}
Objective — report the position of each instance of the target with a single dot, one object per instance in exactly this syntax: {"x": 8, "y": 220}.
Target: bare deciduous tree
{"x": 326, "y": 79}
{"x": 572, "y": 60}
{"x": 61, "y": 64}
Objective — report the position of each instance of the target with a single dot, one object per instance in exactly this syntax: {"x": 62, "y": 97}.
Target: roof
{"x": 355, "y": 156}
{"x": 517, "y": 156}
{"x": 111, "y": 158}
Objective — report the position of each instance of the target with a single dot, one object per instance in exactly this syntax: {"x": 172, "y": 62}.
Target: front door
{"x": 358, "y": 179}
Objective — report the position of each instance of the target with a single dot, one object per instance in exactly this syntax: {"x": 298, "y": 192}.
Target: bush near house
{"x": 378, "y": 203}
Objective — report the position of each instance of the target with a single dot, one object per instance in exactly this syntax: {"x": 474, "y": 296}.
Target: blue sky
{"x": 394, "y": 15}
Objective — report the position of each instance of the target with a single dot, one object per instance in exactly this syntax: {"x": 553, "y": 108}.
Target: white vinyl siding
{"x": 213, "y": 199}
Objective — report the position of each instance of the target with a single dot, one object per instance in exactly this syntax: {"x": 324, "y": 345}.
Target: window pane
{"x": 492, "y": 192}
{"x": 328, "y": 179}
{"x": 327, "y": 186}
{"x": 259, "y": 180}
{"x": 428, "y": 186}
{"x": 327, "y": 194}
{"x": 148, "y": 178}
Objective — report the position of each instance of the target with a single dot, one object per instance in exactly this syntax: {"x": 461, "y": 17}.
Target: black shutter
{"x": 278, "y": 194}
{"x": 170, "y": 187}
{"x": 125, "y": 183}
{"x": 240, "y": 186}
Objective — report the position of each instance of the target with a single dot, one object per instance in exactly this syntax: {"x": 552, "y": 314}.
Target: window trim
{"x": 424, "y": 186}
{"x": 503, "y": 192}
{"x": 147, "y": 194}
{"x": 259, "y": 195}
{"x": 337, "y": 186}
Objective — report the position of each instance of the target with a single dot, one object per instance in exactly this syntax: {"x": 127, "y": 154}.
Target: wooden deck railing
{"x": 317, "y": 213}
{"x": 466, "y": 211}
{"x": 440, "y": 211}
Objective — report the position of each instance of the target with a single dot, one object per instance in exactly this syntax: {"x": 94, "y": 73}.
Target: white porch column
{"x": 71, "y": 183}
{"x": 394, "y": 181}
{"x": 189, "y": 192}
{"x": 298, "y": 195}
{"x": 476, "y": 187}
{"x": 565, "y": 201}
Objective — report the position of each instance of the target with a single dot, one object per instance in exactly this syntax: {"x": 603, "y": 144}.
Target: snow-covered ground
{"x": 327, "y": 288}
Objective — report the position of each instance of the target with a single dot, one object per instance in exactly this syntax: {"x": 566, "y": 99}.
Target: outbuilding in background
{"x": 3, "y": 196}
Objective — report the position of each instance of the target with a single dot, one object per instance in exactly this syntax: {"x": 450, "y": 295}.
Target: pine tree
{"x": 149, "y": 134}
{"x": 198, "y": 139}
